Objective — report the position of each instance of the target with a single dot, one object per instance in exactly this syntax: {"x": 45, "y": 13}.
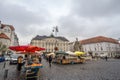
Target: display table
{"x": 32, "y": 71}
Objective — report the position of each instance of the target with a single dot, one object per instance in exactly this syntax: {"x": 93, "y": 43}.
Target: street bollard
{"x": 4, "y": 65}
{"x": 5, "y": 74}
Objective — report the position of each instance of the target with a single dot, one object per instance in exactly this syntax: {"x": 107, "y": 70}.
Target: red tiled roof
{"x": 2, "y": 35}
{"x": 11, "y": 27}
{"x": 99, "y": 39}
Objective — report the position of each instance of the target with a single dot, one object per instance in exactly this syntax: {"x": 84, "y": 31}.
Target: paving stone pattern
{"x": 90, "y": 70}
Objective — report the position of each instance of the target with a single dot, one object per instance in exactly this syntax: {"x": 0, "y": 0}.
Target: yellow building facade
{"x": 50, "y": 42}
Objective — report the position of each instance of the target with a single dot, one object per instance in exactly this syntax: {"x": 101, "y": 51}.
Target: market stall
{"x": 66, "y": 58}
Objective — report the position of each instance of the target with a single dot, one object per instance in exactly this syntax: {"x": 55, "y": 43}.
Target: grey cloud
{"x": 92, "y": 18}
{"x": 87, "y": 18}
{"x": 87, "y": 27}
{"x": 96, "y": 8}
{"x": 21, "y": 18}
{"x": 21, "y": 15}
{"x": 27, "y": 23}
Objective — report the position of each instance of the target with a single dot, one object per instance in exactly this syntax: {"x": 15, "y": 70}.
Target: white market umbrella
{"x": 71, "y": 53}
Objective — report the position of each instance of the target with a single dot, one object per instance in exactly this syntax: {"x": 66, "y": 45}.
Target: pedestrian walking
{"x": 106, "y": 58}
{"x": 50, "y": 60}
{"x": 26, "y": 56}
{"x": 40, "y": 59}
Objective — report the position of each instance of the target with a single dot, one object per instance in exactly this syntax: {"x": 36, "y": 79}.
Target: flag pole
{"x": 55, "y": 29}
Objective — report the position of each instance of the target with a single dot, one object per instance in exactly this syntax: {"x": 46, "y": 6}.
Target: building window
{"x": 95, "y": 49}
{"x": 8, "y": 30}
{"x": 89, "y": 49}
{"x": 101, "y": 48}
{"x": 5, "y": 30}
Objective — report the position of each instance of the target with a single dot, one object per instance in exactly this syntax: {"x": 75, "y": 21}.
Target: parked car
{"x": 2, "y": 59}
{"x": 7, "y": 58}
{"x": 14, "y": 57}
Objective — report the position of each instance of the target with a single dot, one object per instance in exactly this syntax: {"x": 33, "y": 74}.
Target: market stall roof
{"x": 26, "y": 48}
{"x": 70, "y": 53}
{"x": 61, "y": 52}
{"x": 79, "y": 53}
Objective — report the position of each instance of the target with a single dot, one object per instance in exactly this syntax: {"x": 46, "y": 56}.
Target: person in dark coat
{"x": 40, "y": 59}
{"x": 19, "y": 63}
{"x": 50, "y": 60}
{"x": 106, "y": 58}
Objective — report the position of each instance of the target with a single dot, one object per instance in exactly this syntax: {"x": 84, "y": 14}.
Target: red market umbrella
{"x": 34, "y": 48}
{"x": 18, "y": 48}
{"x": 26, "y": 48}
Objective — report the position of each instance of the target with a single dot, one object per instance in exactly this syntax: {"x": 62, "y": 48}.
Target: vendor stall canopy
{"x": 61, "y": 52}
{"x": 26, "y": 48}
{"x": 78, "y": 53}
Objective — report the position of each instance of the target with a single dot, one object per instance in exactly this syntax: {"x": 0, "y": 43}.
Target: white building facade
{"x": 101, "y": 46}
{"x": 9, "y": 32}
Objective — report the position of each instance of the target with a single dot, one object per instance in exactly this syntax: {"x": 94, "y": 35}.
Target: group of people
{"x": 33, "y": 60}
{"x": 33, "y": 63}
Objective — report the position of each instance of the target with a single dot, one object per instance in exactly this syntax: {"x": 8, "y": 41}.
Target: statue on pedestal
{"x": 77, "y": 46}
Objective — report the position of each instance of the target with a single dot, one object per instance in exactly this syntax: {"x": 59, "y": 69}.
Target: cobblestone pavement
{"x": 90, "y": 70}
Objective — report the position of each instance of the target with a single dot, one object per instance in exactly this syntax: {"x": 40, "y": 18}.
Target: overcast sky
{"x": 75, "y": 18}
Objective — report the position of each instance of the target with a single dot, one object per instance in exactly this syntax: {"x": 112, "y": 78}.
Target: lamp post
{"x": 55, "y": 30}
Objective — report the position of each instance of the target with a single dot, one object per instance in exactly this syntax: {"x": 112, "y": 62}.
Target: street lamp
{"x": 55, "y": 30}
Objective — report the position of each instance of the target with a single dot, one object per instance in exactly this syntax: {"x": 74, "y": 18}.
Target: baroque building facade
{"x": 50, "y": 42}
